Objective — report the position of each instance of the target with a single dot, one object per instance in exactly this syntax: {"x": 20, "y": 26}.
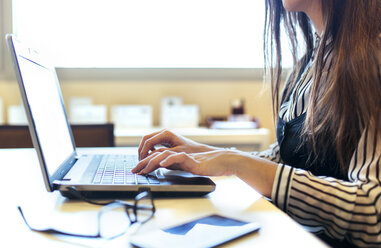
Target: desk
{"x": 243, "y": 139}
{"x": 232, "y": 197}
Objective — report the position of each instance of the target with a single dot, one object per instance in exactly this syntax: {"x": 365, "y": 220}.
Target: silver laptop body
{"x": 53, "y": 140}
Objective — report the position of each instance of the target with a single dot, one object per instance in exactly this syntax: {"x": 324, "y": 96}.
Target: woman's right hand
{"x": 170, "y": 141}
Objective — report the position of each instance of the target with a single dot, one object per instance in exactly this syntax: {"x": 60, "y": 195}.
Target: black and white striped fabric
{"x": 341, "y": 209}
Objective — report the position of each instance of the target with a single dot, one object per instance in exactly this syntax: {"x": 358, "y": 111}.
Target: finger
{"x": 154, "y": 163}
{"x": 161, "y": 150}
{"x": 145, "y": 137}
{"x": 173, "y": 167}
{"x": 143, "y": 163}
{"x": 182, "y": 161}
{"x": 162, "y": 137}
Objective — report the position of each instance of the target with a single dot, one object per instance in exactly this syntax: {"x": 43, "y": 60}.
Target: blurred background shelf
{"x": 242, "y": 139}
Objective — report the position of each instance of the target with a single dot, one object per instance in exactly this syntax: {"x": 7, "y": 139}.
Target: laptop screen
{"x": 47, "y": 112}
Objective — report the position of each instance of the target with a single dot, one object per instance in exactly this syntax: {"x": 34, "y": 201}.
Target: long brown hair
{"x": 343, "y": 104}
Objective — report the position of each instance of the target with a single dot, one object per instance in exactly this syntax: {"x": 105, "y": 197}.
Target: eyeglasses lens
{"x": 113, "y": 221}
{"x": 144, "y": 209}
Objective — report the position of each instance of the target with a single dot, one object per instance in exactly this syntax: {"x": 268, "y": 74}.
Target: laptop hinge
{"x": 55, "y": 185}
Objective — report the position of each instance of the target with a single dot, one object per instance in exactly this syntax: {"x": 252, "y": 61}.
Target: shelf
{"x": 244, "y": 139}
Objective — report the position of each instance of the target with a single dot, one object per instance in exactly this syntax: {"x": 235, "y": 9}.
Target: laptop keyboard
{"x": 116, "y": 169}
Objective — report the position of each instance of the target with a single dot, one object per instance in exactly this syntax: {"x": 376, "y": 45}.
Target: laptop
{"x": 94, "y": 175}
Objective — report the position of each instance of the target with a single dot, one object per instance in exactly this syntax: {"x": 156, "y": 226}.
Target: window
{"x": 2, "y": 43}
{"x": 6, "y": 69}
{"x": 147, "y": 34}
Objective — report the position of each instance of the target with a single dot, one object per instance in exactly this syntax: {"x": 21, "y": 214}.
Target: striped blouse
{"x": 341, "y": 209}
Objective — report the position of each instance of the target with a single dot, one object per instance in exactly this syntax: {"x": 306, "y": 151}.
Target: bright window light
{"x": 144, "y": 33}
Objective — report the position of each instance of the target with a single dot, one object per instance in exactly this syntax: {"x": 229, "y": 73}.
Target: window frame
{"x": 5, "y": 27}
{"x": 125, "y": 74}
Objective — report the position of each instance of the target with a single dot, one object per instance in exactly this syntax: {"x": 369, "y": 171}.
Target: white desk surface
{"x": 232, "y": 198}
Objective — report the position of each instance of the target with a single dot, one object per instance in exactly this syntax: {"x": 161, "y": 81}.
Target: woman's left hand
{"x": 213, "y": 163}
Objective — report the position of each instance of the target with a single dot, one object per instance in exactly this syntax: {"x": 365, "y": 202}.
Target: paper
{"x": 88, "y": 114}
{"x": 1, "y": 111}
{"x": 166, "y": 102}
{"x": 80, "y": 101}
{"x": 131, "y": 116}
{"x": 205, "y": 232}
{"x": 17, "y": 115}
{"x": 180, "y": 116}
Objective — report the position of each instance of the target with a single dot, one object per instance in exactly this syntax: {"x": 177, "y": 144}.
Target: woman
{"x": 324, "y": 168}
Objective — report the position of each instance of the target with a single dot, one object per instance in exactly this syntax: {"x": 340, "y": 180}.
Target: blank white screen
{"x": 48, "y": 114}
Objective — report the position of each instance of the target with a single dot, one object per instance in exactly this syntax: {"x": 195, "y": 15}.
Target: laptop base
{"x": 108, "y": 195}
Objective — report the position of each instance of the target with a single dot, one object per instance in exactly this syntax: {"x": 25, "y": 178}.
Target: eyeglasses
{"x": 114, "y": 218}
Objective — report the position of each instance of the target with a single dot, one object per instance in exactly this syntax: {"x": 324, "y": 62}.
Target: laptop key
{"x": 153, "y": 180}
{"x": 141, "y": 179}
{"x": 117, "y": 170}
{"x": 107, "y": 182}
{"x": 130, "y": 179}
{"x": 97, "y": 179}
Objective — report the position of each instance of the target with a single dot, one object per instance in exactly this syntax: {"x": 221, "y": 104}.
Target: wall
{"x": 212, "y": 97}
